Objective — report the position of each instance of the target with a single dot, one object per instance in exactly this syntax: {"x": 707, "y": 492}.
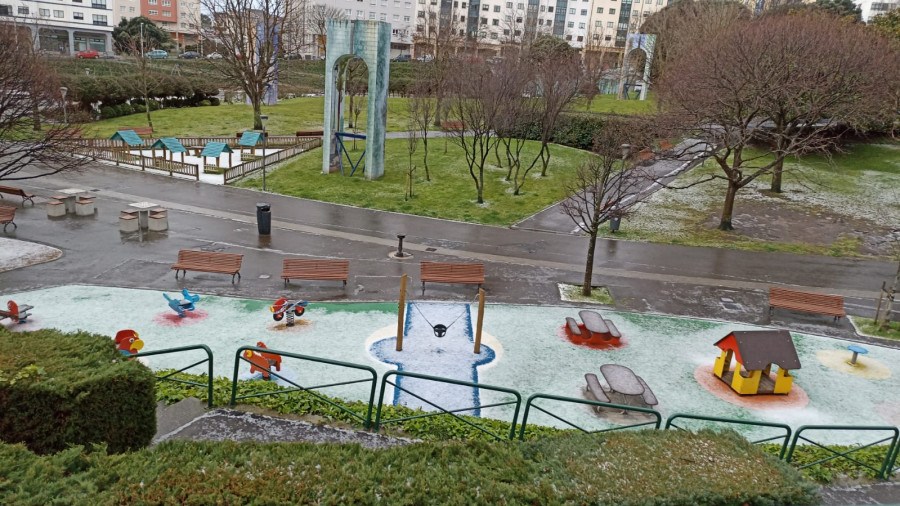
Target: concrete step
{"x": 170, "y": 418}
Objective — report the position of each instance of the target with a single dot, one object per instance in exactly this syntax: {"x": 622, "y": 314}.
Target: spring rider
{"x": 282, "y": 307}
{"x": 262, "y": 362}
{"x": 128, "y": 343}
{"x": 183, "y": 305}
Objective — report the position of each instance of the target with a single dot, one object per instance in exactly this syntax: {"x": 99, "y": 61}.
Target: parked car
{"x": 425, "y": 57}
{"x": 87, "y": 53}
{"x": 109, "y": 55}
{"x": 189, "y": 55}
{"x": 402, "y": 58}
{"x": 156, "y": 54}
{"x": 293, "y": 56}
{"x": 213, "y": 56}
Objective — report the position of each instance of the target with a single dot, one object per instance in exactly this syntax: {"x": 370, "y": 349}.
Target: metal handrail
{"x": 786, "y": 436}
{"x": 443, "y": 411}
{"x": 888, "y": 459}
{"x": 239, "y": 357}
{"x": 209, "y": 374}
{"x": 530, "y": 403}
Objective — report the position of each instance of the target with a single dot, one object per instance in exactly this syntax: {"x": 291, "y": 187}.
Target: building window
{"x": 371, "y": 15}
{"x": 495, "y": 22}
{"x": 579, "y": 38}
{"x": 396, "y": 17}
{"x": 77, "y": 15}
{"x": 483, "y": 21}
{"x": 599, "y": 10}
{"x": 59, "y": 14}
{"x": 23, "y": 11}
{"x": 382, "y": 16}
{"x": 571, "y": 11}
{"x": 496, "y": 8}
{"x": 581, "y": 26}
{"x": 406, "y": 18}
{"x": 612, "y": 11}
{"x": 167, "y": 3}
{"x": 98, "y": 4}
{"x": 584, "y": 12}
{"x": 568, "y": 37}
{"x": 493, "y": 35}
{"x": 549, "y": 8}
{"x": 543, "y": 8}
{"x": 598, "y": 24}
{"x": 509, "y": 5}
{"x": 505, "y": 32}
{"x": 517, "y": 32}
{"x": 520, "y": 6}
{"x": 549, "y": 23}
{"x": 131, "y": 9}
{"x": 184, "y": 25}
{"x": 45, "y": 13}
{"x": 99, "y": 20}
{"x": 5, "y": 10}
{"x": 167, "y": 14}
{"x": 540, "y": 21}
{"x": 153, "y": 12}
{"x": 486, "y": 7}
{"x": 152, "y": 2}
{"x": 571, "y": 24}
{"x": 348, "y": 12}
{"x": 607, "y": 38}
{"x": 596, "y": 36}
{"x": 507, "y": 18}
{"x": 609, "y": 24}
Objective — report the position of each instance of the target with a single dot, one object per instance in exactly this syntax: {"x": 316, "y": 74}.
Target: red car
{"x": 87, "y": 53}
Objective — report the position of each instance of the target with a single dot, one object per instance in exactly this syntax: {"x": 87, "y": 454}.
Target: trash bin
{"x": 614, "y": 223}
{"x": 264, "y": 219}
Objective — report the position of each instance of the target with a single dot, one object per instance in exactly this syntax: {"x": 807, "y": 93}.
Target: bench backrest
{"x": 453, "y": 270}
{"x": 11, "y": 190}
{"x": 139, "y": 130}
{"x": 818, "y": 299}
{"x": 319, "y": 265}
{"x": 223, "y": 260}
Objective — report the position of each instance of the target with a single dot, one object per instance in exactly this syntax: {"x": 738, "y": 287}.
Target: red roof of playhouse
{"x": 756, "y": 349}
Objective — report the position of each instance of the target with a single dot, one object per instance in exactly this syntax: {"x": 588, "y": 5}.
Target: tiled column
{"x": 71, "y": 42}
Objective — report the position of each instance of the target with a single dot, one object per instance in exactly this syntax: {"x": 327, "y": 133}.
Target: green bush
{"x": 214, "y": 101}
{"x": 108, "y": 111}
{"x": 646, "y": 467}
{"x": 60, "y": 389}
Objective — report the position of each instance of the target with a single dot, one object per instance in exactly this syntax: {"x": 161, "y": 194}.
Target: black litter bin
{"x": 264, "y": 219}
{"x": 614, "y": 224}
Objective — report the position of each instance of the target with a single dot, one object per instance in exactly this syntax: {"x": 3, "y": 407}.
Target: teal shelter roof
{"x": 250, "y": 139}
{"x": 170, "y": 143}
{"x": 128, "y": 136}
{"x": 215, "y": 149}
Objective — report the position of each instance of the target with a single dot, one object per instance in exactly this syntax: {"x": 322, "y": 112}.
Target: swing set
{"x": 440, "y": 330}
{"x": 339, "y": 138}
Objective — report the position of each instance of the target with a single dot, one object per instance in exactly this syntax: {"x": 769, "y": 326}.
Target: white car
{"x": 214, "y": 56}
{"x": 426, "y": 57}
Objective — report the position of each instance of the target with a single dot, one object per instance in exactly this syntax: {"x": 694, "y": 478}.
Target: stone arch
{"x": 370, "y": 41}
{"x": 643, "y": 43}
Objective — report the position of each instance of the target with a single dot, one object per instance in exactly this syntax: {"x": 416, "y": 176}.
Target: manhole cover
{"x": 430, "y": 249}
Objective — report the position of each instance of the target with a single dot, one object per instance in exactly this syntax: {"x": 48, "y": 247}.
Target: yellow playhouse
{"x": 756, "y": 351}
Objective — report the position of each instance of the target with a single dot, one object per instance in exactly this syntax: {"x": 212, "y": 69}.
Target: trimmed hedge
{"x": 647, "y": 467}
{"x": 59, "y": 389}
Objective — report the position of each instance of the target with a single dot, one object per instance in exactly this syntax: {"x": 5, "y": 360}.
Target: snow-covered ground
{"x": 197, "y": 160}
{"x": 15, "y": 254}
{"x": 521, "y": 350}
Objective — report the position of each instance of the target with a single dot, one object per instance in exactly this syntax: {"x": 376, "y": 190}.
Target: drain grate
{"x": 430, "y": 249}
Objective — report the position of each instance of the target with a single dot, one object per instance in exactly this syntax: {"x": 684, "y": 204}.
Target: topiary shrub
{"x": 59, "y": 389}
{"x": 214, "y": 101}
{"x": 108, "y": 111}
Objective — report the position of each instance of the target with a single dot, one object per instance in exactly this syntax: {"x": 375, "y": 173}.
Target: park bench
{"x": 645, "y": 155}
{"x": 453, "y": 125}
{"x": 319, "y": 269}
{"x": 9, "y": 190}
{"x": 208, "y": 261}
{"x": 139, "y": 130}
{"x": 444, "y": 272}
{"x": 795, "y": 300}
{"x": 64, "y": 133}
{"x": 310, "y": 133}
{"x": 7, "y": 217}
{"x": 594, "y": 388}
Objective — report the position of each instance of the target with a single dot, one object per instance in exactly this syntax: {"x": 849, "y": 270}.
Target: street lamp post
{"x": 63, "y": 90}
{"x": 263, "y": 118}
{"x": 615, "y": 219}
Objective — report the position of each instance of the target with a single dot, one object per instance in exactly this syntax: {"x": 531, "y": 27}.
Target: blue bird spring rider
{"x": 181, "y": 306}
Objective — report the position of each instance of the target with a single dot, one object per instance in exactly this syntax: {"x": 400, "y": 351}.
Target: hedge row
{"x": 181, "y": 91}
{"x": 59, "y": 389}
{"x": 653, "y": 467}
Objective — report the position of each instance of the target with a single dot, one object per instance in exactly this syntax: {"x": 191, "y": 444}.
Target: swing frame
{"x": 339, "y": 138}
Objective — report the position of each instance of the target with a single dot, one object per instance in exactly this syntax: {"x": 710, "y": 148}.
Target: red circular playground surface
{"x": 171, "y": 319}
{"x": 594, "y": 343}
{"x": 797, "y": 398}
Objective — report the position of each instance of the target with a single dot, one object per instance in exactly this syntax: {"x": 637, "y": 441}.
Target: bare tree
{"x": 795, "y": 82}
{"x": 27, "y": 85}
{"x": 438, "y": 34}
{"x": 608, "y": 185}
{"x": 421, "y": 108}
{"x": 412, "y": 144}
{"x": 556, "y": 78}
{"x": 316, "y": 20}
{"x": 596, "y": 59}
{"x": 248, "y": 31}
{"x": 476, "y": 96}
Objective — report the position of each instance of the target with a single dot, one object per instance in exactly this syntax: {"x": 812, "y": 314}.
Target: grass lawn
{"x": 859, "y": 188}
{"x": 450, "y": 195}
{"x": 306, "y": 113}
{"x": 610, "y": 104}
{"x": 867, "y": 327}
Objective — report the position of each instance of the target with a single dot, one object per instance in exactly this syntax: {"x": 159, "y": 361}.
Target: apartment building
{"x": 64, "y": 26}
{"x": 872, "y": 8}
{"x": 399, "y": 13}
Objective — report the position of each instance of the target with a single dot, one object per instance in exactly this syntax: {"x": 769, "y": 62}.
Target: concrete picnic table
{"x": 593, "y": 322}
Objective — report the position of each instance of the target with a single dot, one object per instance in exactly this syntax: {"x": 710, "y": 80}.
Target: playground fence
{"x": 144, "y": 162}
{"x": 786, "y": 437}
{"x": 209, "y": 373}
{"x": 531, "y": 404}
{"x": 239, "y": 171}
{"x": 239, "y": 356}
{"x": 887, "y": 464}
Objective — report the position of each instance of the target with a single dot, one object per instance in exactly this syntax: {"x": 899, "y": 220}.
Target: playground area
{"x": 525, "y": 348}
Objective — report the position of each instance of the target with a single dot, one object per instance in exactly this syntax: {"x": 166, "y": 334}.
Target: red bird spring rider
{"x": 262, "y": 362}
{"x": 282, "y": 307}
{"x": 15, "y": 312}
{"x": 128, "y": 343}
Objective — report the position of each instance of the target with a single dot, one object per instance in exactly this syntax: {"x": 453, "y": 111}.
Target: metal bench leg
{"x": 423, "y": 288}
{"x": 345, "y": 283}
{"x": 285, "y": 283}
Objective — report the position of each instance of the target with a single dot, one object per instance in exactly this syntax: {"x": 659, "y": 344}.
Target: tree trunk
{"x": 35, "y": 116}
{"x": 889, "y": 307}
{"x": 728, "y": 208}
{"x": 257, "y": 112}
{"x": 589, "y": 265}
{"x": 545, "y": 157}
{"x": 425, "y": 158}
{"x": 776, "y": 175}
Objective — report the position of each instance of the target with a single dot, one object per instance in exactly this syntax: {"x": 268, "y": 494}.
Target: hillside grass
{"x": 450, "y": 194}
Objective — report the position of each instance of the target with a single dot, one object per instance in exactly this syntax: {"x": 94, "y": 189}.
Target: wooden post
{"x": 480, "y": 321}
{"x": 880, "y": 298}
{"x": 400, "y": 310}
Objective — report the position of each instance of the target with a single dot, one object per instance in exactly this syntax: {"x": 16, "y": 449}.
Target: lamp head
{"x": 626, "y": 148}
{"x": 63, "y": 90}
{"x": 263, "y": 118}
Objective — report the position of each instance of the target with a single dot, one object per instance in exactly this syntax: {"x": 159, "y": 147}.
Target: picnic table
{"x": 596, "y": 324}
{"x": 629, "y": 386}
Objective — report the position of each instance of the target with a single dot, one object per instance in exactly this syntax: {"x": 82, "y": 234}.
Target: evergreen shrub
{"x": 59, "y": 389}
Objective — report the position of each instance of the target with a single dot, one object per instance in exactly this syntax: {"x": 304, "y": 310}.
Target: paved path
{"x": 523, "y": 266}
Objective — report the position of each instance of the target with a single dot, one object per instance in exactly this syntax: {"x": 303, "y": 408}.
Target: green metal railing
{"x": 892, "y": 466}
{"x": 530, "y": 404}
{"x": 441, "y": 410}
{"x": 786, "y": 437}
{"x": 890, "y": 456}
{"x": 367, "y": 419}
{"x": 209, "y": 374}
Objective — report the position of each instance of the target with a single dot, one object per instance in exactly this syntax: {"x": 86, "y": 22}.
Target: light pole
{"x": 263, "y": 119}
{"x": 63, "y": 90}
{"x": 615, "y": 220}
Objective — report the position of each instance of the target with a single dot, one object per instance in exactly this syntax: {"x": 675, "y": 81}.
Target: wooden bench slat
{"x": 795, "y": 300}
{"x": 318, "y": 269}
{"x": 10, "y": 190}
{"x": 209, "y": 261}
{"x": 444, "y": 272}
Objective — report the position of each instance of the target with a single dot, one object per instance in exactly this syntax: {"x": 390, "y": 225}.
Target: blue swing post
{"x": 338, "y": 137}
